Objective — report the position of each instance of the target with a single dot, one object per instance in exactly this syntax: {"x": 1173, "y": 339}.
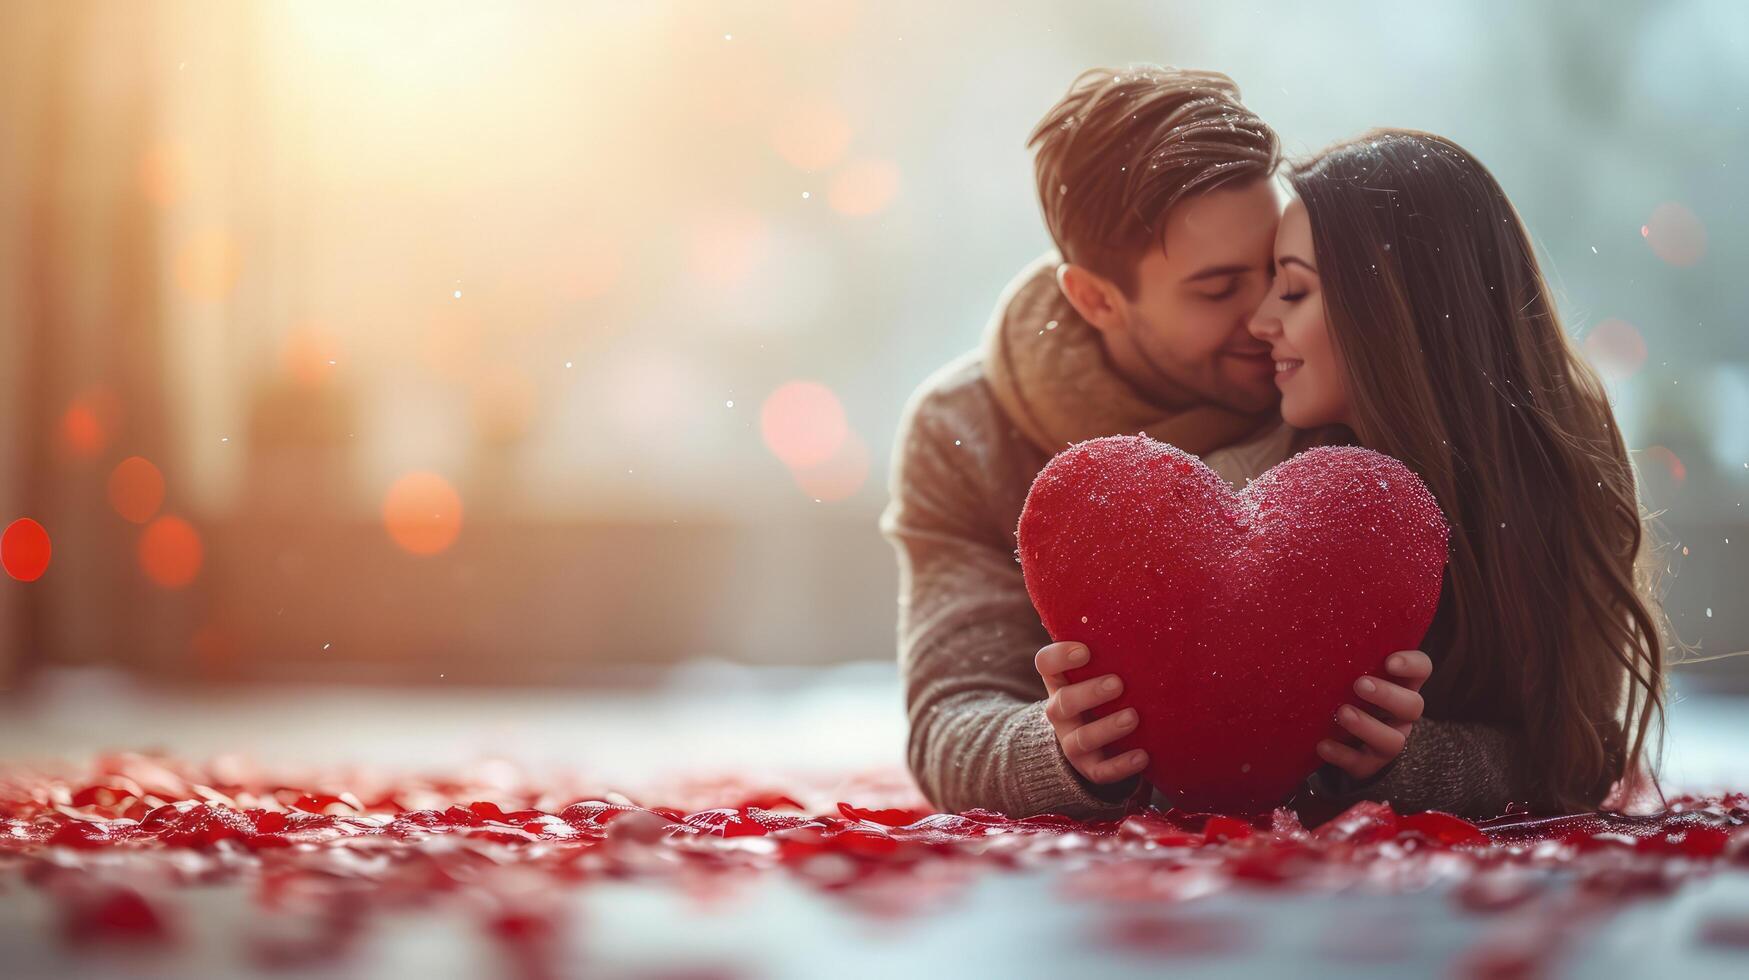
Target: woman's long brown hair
{"x": 1456, "y": 364}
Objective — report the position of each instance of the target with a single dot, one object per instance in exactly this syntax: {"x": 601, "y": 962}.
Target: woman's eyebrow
{"x": 1296, "y": 260}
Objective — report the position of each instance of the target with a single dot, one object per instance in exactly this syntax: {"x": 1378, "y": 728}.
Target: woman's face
{"x": 1291, "y": 321}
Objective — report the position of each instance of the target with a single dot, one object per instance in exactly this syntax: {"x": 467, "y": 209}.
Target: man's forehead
{"x": 1222, "y": 226}
{"x": 1227, "y": 211}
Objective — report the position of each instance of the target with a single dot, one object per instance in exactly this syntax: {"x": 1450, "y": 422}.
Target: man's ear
{"x": 1095, "y": 297}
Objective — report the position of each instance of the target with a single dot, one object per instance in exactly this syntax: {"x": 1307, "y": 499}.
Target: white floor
{"x": 705, "y": 718}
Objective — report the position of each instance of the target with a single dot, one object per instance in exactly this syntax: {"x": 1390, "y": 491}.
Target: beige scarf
{"x": 1051, "y": 375}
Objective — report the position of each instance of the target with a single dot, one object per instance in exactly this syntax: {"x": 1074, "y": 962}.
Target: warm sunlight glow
{"x": 811, "y": 135}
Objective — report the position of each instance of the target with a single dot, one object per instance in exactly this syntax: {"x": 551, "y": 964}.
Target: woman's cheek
{"x": 1333, "y": 404}
{"x": 1321, "y": 399}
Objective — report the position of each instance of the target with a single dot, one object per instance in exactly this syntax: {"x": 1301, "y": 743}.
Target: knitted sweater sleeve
{"x": 1471, "y": 769}
{"x": 967, "y": 635}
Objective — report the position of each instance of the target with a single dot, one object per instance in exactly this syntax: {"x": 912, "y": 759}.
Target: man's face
{"x": 1185, "y": 330}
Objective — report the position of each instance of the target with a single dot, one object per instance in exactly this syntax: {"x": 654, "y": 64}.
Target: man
{"x": 1155, "y": 186}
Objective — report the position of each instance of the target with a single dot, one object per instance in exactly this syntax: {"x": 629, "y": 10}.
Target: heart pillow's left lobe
{"x": 1238, "y": 621}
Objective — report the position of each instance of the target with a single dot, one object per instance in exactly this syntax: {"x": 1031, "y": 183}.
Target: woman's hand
{"x": 1380, "y": 736}
{"x": 1084, "y": 741}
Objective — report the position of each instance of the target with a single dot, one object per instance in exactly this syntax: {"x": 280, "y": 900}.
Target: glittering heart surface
{"x": 1238, "y": 621}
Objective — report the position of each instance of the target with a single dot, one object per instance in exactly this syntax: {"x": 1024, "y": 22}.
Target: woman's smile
{"x": 1285, "y": 368}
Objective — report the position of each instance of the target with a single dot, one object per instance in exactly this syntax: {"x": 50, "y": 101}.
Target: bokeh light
{"x": 81, "y": 433}
{"x": 1615, "y": 348}
{"x": 422, "y": 513}
{"x": 136, "y": 489}
{"x": 811, "y": 135}
{"x": 803, "y": 424}
{"x": 310, "y": 355}
{"x": 170, "y": 552}
{"x": 25, "y": 550}
{"x": 163, "y": 174}
{"x": 1675, "y": 234}
{"x": 864, "y": 187}
{"x": 728, "y": 246}
{"x": 1726, "y": 388}
{"x": 839, "y": 477}
{"x": 586, "y": 268}
{"x": 208, "y": 264}
{"x": 89, "y": 422}
{"x": 731, "y": 81}
{"x": 452, "y": 345}
{"x": 821, "y": 22}
{"x": 646, "y": 394}
{"x": 216, "y": 647}
{"x": 1670, "y": 464}
{"x": 503, "y": 404}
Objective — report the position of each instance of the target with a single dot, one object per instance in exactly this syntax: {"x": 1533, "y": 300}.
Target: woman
{"x": 1408, "y": 307}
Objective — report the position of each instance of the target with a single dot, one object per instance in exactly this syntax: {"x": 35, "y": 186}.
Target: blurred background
{"x": 523, "y": 343}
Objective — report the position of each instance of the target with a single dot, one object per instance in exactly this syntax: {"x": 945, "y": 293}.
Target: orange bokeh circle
{"x": 171, "y": 552}
{"x": 136, "y": 489}
{"x": 803, "y": 424}
{"x": 422, "y": 513}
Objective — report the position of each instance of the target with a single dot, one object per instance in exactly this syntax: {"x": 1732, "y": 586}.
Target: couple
{"x": 1394, "y": 303}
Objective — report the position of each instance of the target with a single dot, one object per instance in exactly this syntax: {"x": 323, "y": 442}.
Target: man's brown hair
{"x": 1125, "y": 145}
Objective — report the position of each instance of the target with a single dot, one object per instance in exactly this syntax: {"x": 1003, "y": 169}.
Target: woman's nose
{"x": 1264, "y": 324}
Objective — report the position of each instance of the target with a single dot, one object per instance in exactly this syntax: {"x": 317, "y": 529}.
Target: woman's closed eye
{"x": 1280, "y": 277}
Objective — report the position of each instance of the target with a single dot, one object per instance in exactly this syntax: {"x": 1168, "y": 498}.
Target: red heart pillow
{"x": 1238, "y": 621}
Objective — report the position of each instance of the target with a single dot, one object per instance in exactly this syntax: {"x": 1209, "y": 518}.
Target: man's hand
{"x": 1380, "y": 736}
{"x": 1084, "y": 741}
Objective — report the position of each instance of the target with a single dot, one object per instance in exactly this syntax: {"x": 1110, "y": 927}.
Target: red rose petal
{"x": 1441, "y": 828}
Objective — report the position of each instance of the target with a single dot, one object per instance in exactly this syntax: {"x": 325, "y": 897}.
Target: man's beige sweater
{"x": 973, "y": 437}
